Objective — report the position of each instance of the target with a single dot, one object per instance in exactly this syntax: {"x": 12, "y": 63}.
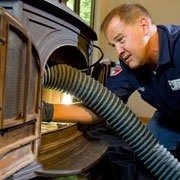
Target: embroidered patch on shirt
{"x": 116, "y": 70}
{"x": 174, "y": 84}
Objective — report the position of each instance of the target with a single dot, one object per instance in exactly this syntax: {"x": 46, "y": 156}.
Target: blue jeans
{"x": 120, "y": 161}
{"x": 166, "y": 130}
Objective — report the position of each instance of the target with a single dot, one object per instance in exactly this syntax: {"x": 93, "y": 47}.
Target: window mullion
{"x": 92, "y": 13}
{"x": 77, "y": 6}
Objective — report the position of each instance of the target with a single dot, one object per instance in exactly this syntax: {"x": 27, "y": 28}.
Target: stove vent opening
{"x": 69, "y": 55}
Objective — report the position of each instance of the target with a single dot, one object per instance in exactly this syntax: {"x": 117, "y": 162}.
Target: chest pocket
{"x": 148, "y": 95}
{"x": 174, "y": 84}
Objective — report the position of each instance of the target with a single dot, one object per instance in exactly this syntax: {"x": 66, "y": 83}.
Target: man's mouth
{"x": 127, "y": 58}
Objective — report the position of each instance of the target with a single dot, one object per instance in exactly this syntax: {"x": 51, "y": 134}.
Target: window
{"x": 84, "y": 8}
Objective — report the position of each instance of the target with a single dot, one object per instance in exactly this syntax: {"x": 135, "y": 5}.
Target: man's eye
{"x": 120, "y": 40}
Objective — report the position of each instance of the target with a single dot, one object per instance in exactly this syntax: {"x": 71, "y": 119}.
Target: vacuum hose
{"x": 161, "y": 163}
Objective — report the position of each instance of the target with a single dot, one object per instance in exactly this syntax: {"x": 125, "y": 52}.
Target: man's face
{"x": 130, "y": 41}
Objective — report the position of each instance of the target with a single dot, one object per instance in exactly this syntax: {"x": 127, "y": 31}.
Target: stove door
{"x": 19, "y": 97}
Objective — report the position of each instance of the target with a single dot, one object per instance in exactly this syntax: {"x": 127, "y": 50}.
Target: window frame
{"x": 76, "y": 9}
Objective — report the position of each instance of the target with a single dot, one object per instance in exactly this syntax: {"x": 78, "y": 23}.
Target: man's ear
{"x": 145, "y": 24}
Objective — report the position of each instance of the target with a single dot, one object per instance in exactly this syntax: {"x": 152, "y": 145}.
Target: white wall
{"x": 162, "y": 11}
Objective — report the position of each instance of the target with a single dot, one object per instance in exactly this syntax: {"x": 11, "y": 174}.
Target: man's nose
{"x": 119, "y": 50}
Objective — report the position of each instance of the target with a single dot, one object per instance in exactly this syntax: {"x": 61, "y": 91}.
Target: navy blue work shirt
{"x": 160, "y": 89}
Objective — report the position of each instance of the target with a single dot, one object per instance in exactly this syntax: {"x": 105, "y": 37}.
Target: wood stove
{"x": 40, "y": 33}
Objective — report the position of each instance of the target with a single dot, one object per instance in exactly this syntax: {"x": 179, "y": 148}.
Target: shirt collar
{"x": 164, "y": 48}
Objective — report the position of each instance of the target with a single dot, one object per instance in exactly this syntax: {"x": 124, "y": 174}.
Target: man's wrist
{"x": 47, "y": 111}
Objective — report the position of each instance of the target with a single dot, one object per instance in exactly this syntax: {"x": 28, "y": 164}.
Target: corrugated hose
{"x": 161, "y": 163}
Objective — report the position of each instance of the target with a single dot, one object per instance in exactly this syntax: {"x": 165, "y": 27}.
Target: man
{"x": 150, "y": 63}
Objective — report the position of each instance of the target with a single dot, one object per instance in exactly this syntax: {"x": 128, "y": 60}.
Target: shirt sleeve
{"x": 118, "y": 82}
